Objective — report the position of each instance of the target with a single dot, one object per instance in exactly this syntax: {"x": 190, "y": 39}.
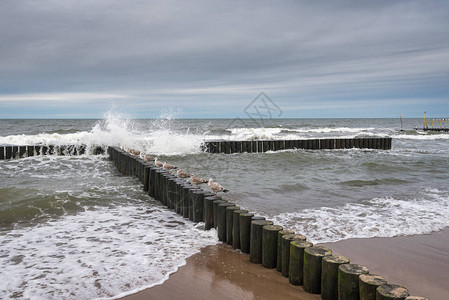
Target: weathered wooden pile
{"x": 229, "y": 147}
{"x": 313, "y": 267}
{"x": 15, "y": 152}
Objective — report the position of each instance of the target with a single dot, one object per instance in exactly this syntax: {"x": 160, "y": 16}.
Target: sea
{"x": 73, "y": 227}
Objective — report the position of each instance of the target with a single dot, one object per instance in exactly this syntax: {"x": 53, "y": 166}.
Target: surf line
{"x": 315, "y": 268}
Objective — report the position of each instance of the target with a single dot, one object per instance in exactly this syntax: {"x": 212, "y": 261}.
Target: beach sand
{"x": 220, "y": 272}
{"x": 420, "y": 263}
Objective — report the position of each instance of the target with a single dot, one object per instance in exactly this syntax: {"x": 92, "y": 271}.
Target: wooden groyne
{"x": 15, "y": 152}
{"x": 272, "y": 246}
{"x": 229, "y": 147}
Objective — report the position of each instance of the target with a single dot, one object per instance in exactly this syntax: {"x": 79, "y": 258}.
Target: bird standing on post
{"x": 216, "y": 187}
{"x": 168, "y": 167}
{"x": 157, "y": 163}
{"x": 182, "y": 175}
{"x": 196, "y": 180}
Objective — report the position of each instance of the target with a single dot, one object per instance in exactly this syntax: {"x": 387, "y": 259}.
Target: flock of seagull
{"x": 215, "y": 187}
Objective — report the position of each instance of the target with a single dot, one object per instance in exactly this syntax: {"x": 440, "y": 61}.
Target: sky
{"x": 212, "y": 59}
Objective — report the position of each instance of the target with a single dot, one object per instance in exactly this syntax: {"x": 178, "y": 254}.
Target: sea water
{"x": 74, "y": 227}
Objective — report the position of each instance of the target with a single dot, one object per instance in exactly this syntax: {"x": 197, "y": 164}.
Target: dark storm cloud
{"x": 171, "y": 50}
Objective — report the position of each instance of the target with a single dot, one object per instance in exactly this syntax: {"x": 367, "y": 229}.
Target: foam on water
{"x": 103, "y": 252}
{"x": 379, "y": 217}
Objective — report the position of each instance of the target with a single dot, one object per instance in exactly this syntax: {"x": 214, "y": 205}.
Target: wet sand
{"x": 219, "y": 272}
{"x": 420, "y": 263}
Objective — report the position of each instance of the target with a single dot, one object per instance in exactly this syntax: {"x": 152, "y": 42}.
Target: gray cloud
{"x": 148, "y": 51}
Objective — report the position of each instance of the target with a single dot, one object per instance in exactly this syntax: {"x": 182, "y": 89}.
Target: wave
{"x": 360, "y": 183}
{"x": 379, "y": 217}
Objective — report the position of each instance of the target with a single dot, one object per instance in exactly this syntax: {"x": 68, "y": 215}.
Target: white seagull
{"x": 157, "y": 163}
{"x": 196, "y": 180}
{"x": 216, "y": 187}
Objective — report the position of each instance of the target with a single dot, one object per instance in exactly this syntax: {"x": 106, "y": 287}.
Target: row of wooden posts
{"x": 229, "y": 147}
{"x": 313, "y": 267}
{"x": 14, "y": 152}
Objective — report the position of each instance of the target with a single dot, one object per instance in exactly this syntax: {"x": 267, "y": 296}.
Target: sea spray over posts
{"x": 163, "y": 135}
{"x": 379, "y": 217}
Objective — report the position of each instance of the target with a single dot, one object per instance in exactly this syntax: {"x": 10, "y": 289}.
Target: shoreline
{"x": 419, "y": 262}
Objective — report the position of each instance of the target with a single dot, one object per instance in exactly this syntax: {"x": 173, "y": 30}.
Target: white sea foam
{"x": 99, "y": 253}
{"x": 380, "y": 217}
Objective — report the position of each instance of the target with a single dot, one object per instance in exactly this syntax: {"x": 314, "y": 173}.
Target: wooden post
{"x": 296, "y": 266}
{"x": 146, "y": 179}
{"x": 236, "y": 227}
{"x": 230, "y": 222}
{"x": 245, "y": 231}
{"x": 313, "y": 258}
{"x": 30, "y": 151}
{"x": 222, "y": 220}
{"x": 368, "y": 284}
{"x": 15, "y": 151}
{"x": 22, "y": 151}
{"x": 215, "y": 211}
{"x": 329, "y": 276}
{"x": 286, "y": 239}
{"x": 391, "y": 292}
{"x": 348, "y": 281}
{"x": 416, "y": 298}
{"x": 209, "y": 212}
{"x": 8, "y": 152}
{"x": 279, "y": 248}
{"x": 198, "y": 200}
{"x": 2, "y": 153}
{"x": 255, "y": 248}
{"x": 269, "y": 245}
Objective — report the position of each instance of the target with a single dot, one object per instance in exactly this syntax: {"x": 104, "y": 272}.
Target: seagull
{"x": 196, "y": 180}
{"x": 147, "y": 158}
{"x": 134, "y": 152}
{"x": 168, "y": 167}
{"x": 157, "y": 163}
{"x": 182, "y": 175}
{"x": 216, "y": 187}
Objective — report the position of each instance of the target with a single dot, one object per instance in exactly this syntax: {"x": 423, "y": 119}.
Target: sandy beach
{"x": 420, "y": 263}
{"x": 219, "y": 272}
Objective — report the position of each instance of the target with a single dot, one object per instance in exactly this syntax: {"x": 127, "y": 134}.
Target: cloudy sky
{"x": 80, "y": 59}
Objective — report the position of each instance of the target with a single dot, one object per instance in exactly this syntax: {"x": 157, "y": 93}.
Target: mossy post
{"x": 257, "y": 218}
{"x": 313, "y": 258}
{"x": 391, "y": 292}
{"x": 368, "y": 284}
{"x": 230, "y": 222}
{"x": 245, "y": 231}
{"x": 416, "y": 298}
{"x": 348, "y": 281}
{"x": 329, "y": 276}
{"x": 215, "y": 210}
{"x": 269, "y": 245}
{"x": 222, "y": 220}
{"x": 296, "y": 266}
{"x": 236, "y": 227}
{"x": 279, "y": 248}
{"x": 255, "y": 248}
{"x": 286, "y": 240}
